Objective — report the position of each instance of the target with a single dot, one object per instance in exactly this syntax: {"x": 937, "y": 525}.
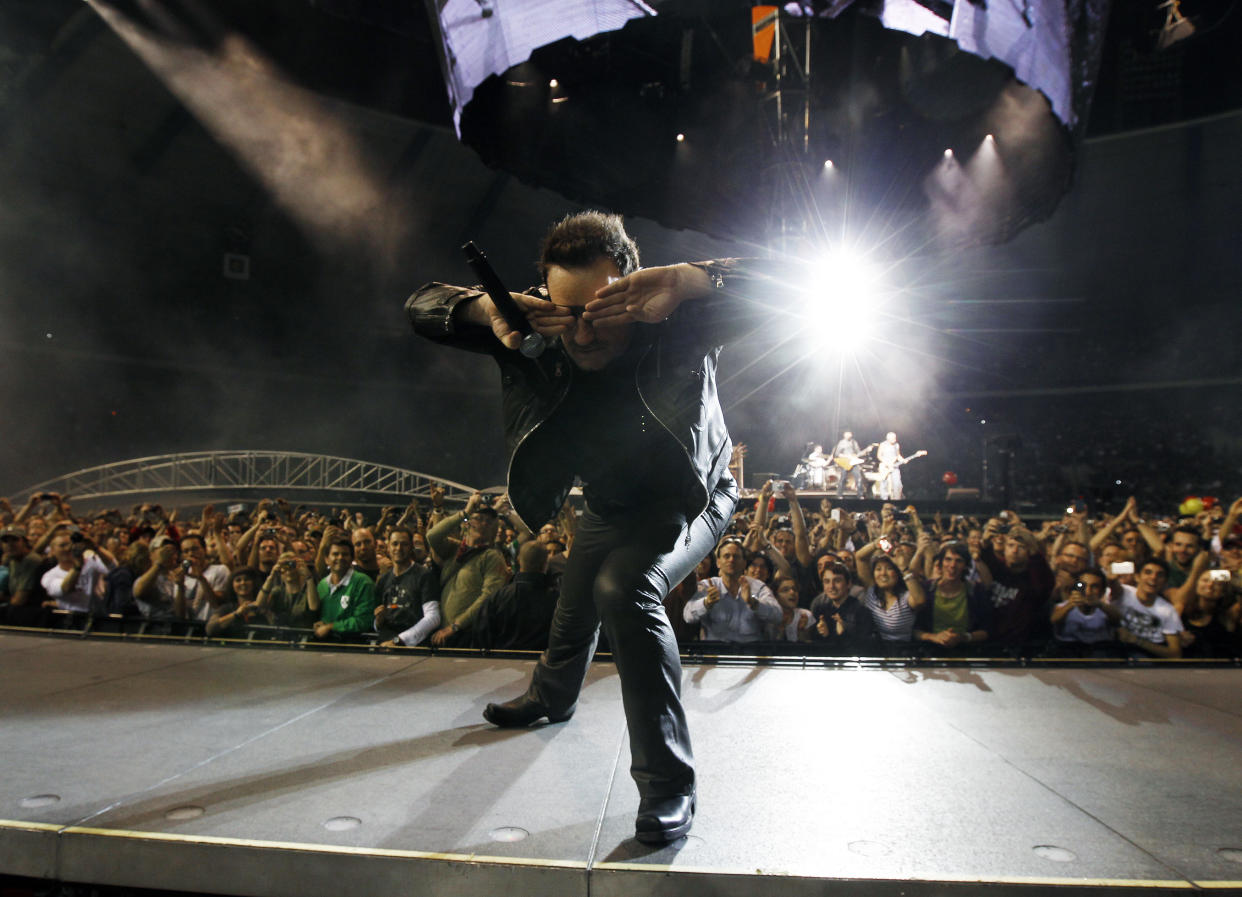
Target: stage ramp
{"x": 281, "y": 772}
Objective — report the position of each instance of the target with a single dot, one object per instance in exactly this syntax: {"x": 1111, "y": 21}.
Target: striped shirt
{"x": 893, "y": 624}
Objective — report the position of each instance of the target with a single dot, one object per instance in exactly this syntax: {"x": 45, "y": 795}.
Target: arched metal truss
{"x": 232, "y": 472}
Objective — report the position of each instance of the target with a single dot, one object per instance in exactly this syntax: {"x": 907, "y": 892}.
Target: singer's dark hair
{"x": 579, "y": 240}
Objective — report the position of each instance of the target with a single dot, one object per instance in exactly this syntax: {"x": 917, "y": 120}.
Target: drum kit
{"x": 815, "y": 473}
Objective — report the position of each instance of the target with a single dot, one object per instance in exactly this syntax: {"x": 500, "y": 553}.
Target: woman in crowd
{"x": 284, "y": 598}
{"x": 892, "y": 597}
{"x": 239, "y": 607}
{"x": 1211, "y": 627}
{"x": 797, "y": 623}
{"x": 760, "y": 568}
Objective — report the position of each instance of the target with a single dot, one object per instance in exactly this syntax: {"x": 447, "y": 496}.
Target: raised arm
{"x": 1150, "y": 536}
{"x": 1183, "y": 596}
{"x": 802, "y": 545}
{"x": 410, "y": 518}
{"x": 505, "y": 510}
{"x": 916, "y": 523}
{"x": 917, "y": 595}
{"x": 1231, "y": 519}
{"x": 440, "y": 538}
{"x": 1105, "y": 532}
{"x": 330, "y": 534}
{"x": 245, "y": 542}
{"x": 761, "y": 507}
{"x": 862, "y": 561}
{"x": 921, "y": 563}
{"x": 27, "y": 509}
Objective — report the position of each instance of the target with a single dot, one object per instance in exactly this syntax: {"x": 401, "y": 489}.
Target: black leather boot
{"x": 520, "y": 712}
{"x": 664, "y": 819}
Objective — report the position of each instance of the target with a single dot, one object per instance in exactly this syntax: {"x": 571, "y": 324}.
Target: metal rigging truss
{"x": 233, "y": 471}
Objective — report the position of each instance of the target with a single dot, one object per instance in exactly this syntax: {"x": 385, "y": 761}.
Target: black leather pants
{"x": 617, "y": 574}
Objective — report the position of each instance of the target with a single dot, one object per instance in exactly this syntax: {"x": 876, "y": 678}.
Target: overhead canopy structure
{"x": 224, "y": 472}
{"x": 590, "y": 99}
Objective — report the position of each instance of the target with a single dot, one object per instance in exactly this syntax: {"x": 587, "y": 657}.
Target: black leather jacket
{"x": 675, "y": 378}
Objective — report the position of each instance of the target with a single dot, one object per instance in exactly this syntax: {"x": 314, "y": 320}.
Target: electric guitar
{"x": 886, "y": 468}
{"x": 849, "y": 462}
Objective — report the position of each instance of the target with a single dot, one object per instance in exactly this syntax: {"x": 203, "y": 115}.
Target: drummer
{"x": 817, "y": 463}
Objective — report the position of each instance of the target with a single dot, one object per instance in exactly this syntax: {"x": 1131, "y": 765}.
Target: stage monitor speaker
{"x": 961, "y": 494}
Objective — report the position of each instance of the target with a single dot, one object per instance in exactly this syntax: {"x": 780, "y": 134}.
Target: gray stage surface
{"x": 253, "y": 771}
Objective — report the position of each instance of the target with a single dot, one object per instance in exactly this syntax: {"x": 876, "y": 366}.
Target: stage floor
{"x": 282, "y": 772}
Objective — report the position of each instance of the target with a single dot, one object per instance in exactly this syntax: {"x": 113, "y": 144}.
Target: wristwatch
{"x": 396, "y": 640}
{"x": 714, "y": 274}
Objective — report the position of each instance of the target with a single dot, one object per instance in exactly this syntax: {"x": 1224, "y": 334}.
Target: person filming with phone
{"x": 1084, "y": 621}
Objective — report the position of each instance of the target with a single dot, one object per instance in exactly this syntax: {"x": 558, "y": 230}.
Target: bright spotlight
{"x": 844, "y": 293}
{"x": 948, "y": 154}
{"x": 990, "y": 139}
{"x": 681, "y": 138}
{"x": 554, "y": 84}
{"x": 828, "y": 164}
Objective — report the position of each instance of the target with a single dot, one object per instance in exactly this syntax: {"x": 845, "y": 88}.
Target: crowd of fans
{"x": 819, "y": 580}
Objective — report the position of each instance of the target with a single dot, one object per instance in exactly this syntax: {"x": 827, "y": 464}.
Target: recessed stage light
{"x": 342, "y": 823}
{"x": 1054, "y": 853}
{"x": 508, "y": 833}
{"x": 182, "y": 813}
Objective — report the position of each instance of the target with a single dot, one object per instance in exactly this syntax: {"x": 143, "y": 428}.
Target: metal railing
{"x": 82, "y": 625}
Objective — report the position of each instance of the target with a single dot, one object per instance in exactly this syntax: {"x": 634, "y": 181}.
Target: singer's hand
{"x": 546, "y": 319}
{"x": 649, "y": 295}
{"x": 486, "y": 309}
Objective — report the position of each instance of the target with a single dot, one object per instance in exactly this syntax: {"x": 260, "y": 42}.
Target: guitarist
{"x": 848, "y": 457}
{"x": 889, "y": 487}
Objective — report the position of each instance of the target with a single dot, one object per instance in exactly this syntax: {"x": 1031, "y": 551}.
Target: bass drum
{"x": 820, "y": 478}
{"x": 815, "y": 477}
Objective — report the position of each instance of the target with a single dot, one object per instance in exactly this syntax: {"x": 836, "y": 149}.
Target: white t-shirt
{"x": 1150, "y": 623}
{"x": 788, "y": 632}
{"x": 217, "y": 576}
{"x": 79, "y": 599}
{"x": 1086, "y": 628}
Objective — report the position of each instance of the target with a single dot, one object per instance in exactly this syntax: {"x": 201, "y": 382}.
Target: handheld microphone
{"x": 532, "y": 343}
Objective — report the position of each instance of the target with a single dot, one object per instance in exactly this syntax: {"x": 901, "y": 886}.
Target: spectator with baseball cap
{"x": 24, "y": 595}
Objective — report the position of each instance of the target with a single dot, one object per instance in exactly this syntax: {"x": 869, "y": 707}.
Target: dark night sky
{"x": 121, "y": 338}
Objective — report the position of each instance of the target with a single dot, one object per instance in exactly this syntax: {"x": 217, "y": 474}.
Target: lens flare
{"x": 844, "y": 296}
